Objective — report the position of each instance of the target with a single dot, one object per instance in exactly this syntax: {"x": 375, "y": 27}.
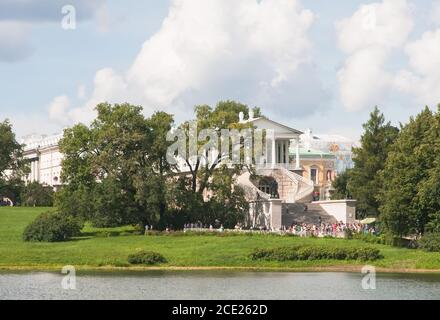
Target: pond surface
{"x": 218, "y": 285}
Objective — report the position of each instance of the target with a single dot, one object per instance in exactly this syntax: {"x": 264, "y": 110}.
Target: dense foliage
{"x": 369, "y": 159}
{"x": 116, "y": 171}
{"x": 52, "y": 227}
{"x": 146, "y": 257}
{"x": 316, "y": 253}
{"x": 340, "y": 184}
{"x": 13, "y": 167}
{"x": 397, "y": 174}
{"x": 406, "y": 175}
{"x": 37, "y": 195}
{"x": 430, "y": 242}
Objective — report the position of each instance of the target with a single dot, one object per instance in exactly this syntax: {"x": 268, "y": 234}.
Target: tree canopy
{"x": 408, "y": 195}
{"x": 364, "y": 181}
{"x": 12, "y": 164}
{"x": 116, "y": 171}
{"x": 397, "y": 174}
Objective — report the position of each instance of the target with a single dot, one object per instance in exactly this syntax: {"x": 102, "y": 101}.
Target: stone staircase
{"x": 296, "y": 213}
{"x": 295, "y": 195}
{"x": 291, "y": 186}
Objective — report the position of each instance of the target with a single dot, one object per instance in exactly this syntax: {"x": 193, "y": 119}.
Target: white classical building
{"x": 45, "y": 159}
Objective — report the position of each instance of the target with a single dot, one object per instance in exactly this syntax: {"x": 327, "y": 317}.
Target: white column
{"x": 38, "y": 167}
{"x": 285, "y": 152}
{"x": 282, "y": 151}
{"x": 32, "y": 175}
{"x": 297, "y": 164}
{"x": 273, "y": 152}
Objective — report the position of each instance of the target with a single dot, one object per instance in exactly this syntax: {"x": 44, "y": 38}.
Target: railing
{"x": 301, "y": 187}
{"x": 270, "y": 166}
{"x": 305, "y": 186}
{"x": 250, "y": 189}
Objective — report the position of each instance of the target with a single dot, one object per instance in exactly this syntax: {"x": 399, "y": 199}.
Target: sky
{"x": 315, "y": 64}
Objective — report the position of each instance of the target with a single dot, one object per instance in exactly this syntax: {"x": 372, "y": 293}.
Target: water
{"x": 218, "y": 285}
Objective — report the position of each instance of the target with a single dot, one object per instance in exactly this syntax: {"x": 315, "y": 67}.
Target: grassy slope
{"x": 181, "y": 251}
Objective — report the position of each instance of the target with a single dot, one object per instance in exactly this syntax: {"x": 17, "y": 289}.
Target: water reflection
{"x": 218, "y": 285}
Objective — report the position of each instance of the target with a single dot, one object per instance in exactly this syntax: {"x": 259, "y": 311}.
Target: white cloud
{"x": 363, "y": 80}
{"x": 25, "y": 123}
{"x": 208, "y": 50}
{"x": 57, "y": 110}
{"x": 424, "y": 54}
{"x": 423, "y": 78}
{"x": 368, "y": 37}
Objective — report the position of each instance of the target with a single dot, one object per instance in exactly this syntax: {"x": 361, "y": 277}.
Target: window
{"x": 314, "y": 175}
{"x": 264, "y": 187}
{"x": 329, "y": 175}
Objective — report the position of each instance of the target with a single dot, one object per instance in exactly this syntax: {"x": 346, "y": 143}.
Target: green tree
{"x": 428, "y": 189}
{"x": 407, "y": 168}
{"x": 369, "y": 159}
{"x": 341, "y": 185}
{"x": 37, "y": 195}
{"x": 226, "y": 203}
{"x": 224, "y": 116}
{"x": 115, "y": 169}
{"x": 13, "y": 167}
{"x": 152, "y": 184}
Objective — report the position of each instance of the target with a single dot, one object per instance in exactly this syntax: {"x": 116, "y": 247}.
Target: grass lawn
{"x": 92, "y": 251}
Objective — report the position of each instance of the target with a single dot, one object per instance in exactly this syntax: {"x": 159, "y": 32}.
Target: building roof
{"x": 274, "y": 123}
{"x": 311, "y": 153}
{"x": 34, "y": 141}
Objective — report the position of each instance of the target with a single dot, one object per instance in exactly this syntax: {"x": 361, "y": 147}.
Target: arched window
{"x": 329, "y": 175}
{"x": 268, "y": 185}
{"x": 264, "y": 186}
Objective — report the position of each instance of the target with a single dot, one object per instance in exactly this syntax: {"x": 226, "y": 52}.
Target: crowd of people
{"x": 337, "y": 229}
{"x": 320, "y": 229}
{"x": 201, "y": 226}
{"x": 4, "y": 202}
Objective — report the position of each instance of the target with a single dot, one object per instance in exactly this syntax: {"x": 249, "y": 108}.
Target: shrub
{"x": 430, "y": 242}
{"x": 316, "y": 253}
{"x": 348, "y": 233}
{"x": 382, "y": 239}
{"x": 52, "y": 227}
{"x": 37, "y": 195}
{"x": 146, "y": 257}
{"x": 387, "y": 239}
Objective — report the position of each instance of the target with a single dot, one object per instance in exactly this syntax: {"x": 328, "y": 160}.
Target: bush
{"x": 37, "y": 195}
{"x": 387, "y": 239}
{"x": 430, "y": 242}
{"x": 146, "y": 257}
{"x": 52, "y": 227}
{"x": 316, "y": 253}
{"x": 348, "y": 233}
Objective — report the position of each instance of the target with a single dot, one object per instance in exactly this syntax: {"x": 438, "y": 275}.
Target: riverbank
{"x": 98, "y": 250}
